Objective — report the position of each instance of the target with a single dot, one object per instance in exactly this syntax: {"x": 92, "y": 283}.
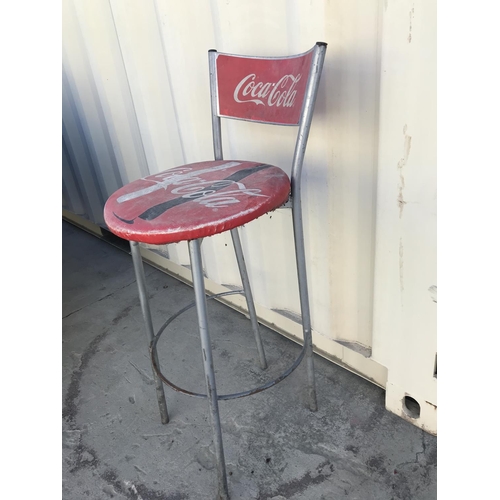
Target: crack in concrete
{"x": 98, "y": 300}
{"x": 423, "y": 448}
{"x": 417, "y": 454}
{"x": 147, "y": 379}
{"x": 299, "y": 485}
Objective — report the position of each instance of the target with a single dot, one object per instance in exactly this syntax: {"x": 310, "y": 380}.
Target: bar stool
{"x": 198, "y": 200}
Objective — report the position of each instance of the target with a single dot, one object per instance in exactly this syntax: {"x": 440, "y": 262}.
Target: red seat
{"x": 195, "y": 200}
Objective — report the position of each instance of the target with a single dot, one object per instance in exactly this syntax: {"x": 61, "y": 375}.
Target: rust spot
{"x": 401, "y": 250}
{"x": 433, "y": 292}
{"x": 412, "y": 14}
{"x": 401, "y": 201}
{"x": 401, "y": 163}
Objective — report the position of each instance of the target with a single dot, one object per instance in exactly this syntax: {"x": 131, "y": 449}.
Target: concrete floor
{"x": 114, "y": 445}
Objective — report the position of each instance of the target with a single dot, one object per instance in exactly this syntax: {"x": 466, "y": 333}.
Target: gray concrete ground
{"x": 114, "y": 445}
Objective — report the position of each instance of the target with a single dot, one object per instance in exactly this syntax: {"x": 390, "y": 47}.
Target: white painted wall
{"x": 136, "y": 101}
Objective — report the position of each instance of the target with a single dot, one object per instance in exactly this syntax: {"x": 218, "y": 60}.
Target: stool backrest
{"x": 273, "y": 90}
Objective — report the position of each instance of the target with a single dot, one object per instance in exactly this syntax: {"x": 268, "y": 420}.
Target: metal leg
{"x": 248, "y": 295}
{"x": 304, "y": 301}
{"x": 143, "y": 296}
{"x": 201, "y": 307}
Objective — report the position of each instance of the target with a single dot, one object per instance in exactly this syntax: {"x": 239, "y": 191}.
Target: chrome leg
{"x": 201, "y": 308}
{"x": 248, "y": 295}
{"x": 143, "y": 296}
{"x": 304, "y": 302}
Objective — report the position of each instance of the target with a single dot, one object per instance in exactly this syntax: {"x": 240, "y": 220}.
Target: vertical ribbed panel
{"x": 138, "y": 79}
{"x": 112, "y": 86}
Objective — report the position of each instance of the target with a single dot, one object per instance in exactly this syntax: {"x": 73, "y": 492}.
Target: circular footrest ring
{"x": 223, "y": 397}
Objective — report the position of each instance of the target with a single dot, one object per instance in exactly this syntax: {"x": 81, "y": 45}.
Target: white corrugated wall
{"x": 136, "y": 101}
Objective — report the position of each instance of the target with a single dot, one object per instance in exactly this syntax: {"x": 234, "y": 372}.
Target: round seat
{"x": 195, "y": 200}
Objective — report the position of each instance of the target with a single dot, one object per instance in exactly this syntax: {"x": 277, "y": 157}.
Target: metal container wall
{"x": 136, "y": 101}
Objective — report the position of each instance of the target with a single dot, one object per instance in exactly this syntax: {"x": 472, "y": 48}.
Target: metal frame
{"x": 298, "y": 229}
{"x": 297, "y": 163}
{"x": 238, "y": 250}
{"x": 225, "y": 397}
{"x": 198, "y": 279}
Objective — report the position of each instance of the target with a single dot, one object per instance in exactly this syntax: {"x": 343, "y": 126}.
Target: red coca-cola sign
{"x": 264, "y": 90}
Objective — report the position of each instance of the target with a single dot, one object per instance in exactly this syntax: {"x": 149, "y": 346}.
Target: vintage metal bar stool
{"x": 197, "y": 200}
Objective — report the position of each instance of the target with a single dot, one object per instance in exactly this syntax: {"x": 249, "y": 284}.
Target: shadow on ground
{"x": 114, "y": 445}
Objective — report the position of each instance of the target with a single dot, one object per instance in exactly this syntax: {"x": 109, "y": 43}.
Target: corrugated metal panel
{"x": 405, "y": 294}
{"x": 136, "y": 101}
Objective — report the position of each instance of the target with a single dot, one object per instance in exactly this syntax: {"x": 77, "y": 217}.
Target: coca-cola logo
{"x": 176, "y": 177}
{"x": 205, "y": 192}
{"x": 188, "y": 185}
{"x": 281, "y": 93}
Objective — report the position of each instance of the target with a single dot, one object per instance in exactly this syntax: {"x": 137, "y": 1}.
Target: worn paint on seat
{"x": 195, "y": 200}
